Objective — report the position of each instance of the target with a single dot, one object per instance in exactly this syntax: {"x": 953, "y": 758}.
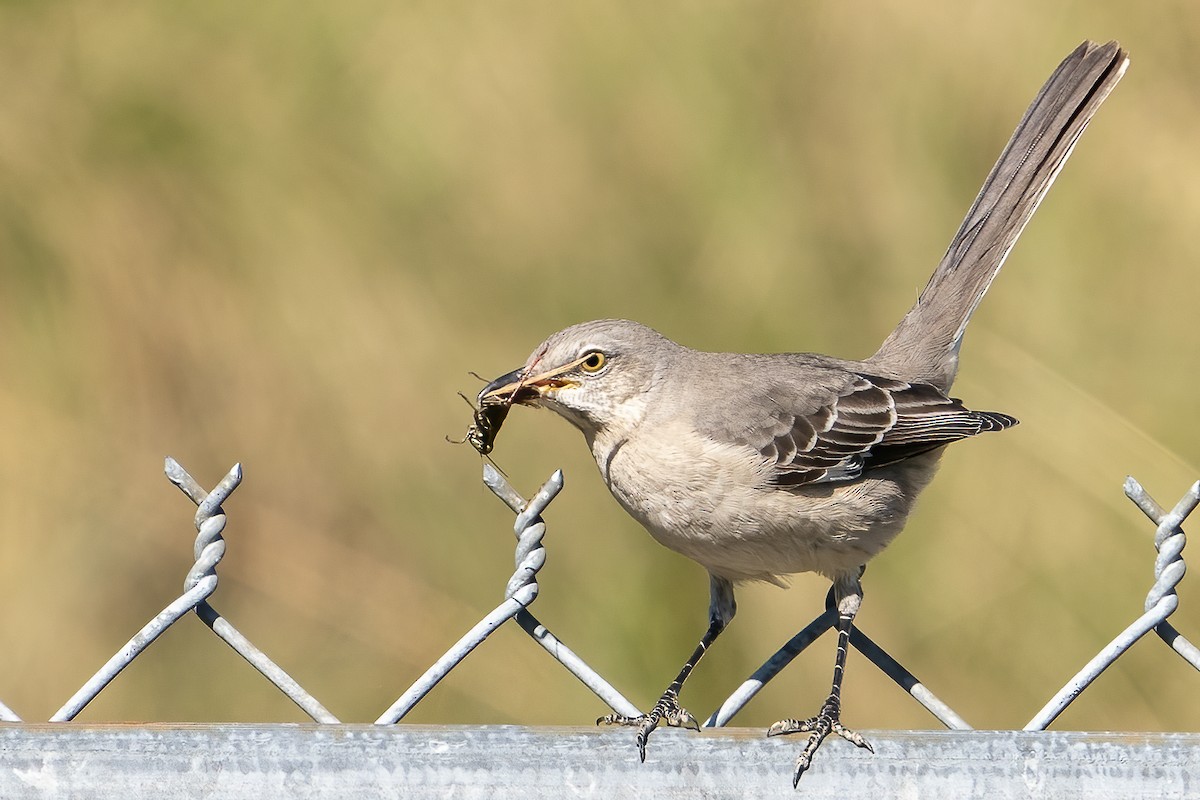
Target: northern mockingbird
{"x": 761, "y": 466}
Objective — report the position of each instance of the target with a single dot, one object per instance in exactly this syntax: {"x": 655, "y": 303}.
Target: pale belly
{"x": 712, "y": 503}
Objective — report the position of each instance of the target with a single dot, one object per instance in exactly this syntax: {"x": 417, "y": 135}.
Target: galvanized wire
{"x": 1169, "y": 540}
{"x": 770, "y": 668}
{"x": 208, "y": 509}
{"x": 539, "y": 632}
{"x": 907, "y": 681}
{"x": 1161, "y": 601}
{"x": 859, "y": 640}
{"x": 521, "y": 590}
{"x": 200, "y": 583}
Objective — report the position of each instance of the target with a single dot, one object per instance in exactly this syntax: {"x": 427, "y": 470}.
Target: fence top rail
{"x": 301, "y": 761}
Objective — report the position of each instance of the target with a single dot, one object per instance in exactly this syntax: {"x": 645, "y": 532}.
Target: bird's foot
{"x": 666, "y": 711}
{"x": 817, "y": 728}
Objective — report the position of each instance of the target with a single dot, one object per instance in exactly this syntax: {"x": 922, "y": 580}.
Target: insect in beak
{"x": 491, "y": 408}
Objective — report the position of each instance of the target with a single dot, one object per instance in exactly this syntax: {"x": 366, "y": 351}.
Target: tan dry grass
{"x": 283, "y": 235}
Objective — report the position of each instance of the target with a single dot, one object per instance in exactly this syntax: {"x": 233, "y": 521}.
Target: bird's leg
{"x": 847, "y": 594}
{"x": 667, "y": 710}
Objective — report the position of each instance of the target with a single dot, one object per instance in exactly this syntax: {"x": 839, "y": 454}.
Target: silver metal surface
{"x": 200, "y": 583}
{"x": 521, "y": 590}
{"x": 265, "y": 762}
{"x": 530, "y": 624}
{"x": 1161, "y": 602}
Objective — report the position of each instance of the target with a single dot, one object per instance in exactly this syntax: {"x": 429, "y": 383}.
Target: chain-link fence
{"x": 522, "y": 590}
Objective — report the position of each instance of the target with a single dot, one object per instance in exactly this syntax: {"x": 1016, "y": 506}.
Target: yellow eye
{"x": 593, "y": 362}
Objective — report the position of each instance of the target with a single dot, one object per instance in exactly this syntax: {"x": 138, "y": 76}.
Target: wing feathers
{"x": 873, "y": 422}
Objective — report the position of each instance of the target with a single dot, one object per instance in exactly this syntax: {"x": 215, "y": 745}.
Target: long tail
{"x": 924, "y": 346}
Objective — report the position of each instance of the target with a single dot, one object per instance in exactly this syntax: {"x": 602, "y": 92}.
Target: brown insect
{"x": 488, "y": 418}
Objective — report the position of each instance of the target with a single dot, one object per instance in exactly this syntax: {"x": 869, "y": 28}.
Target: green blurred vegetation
{"x": 282, "y": 234}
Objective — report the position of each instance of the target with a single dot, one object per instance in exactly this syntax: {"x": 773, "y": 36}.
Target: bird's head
{"x": 595, "y": 374}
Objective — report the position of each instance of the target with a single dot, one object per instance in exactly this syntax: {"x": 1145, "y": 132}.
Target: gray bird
{"x": 762, "y": 466}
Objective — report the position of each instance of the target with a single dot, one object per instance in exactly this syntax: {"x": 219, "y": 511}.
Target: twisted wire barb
{"x": 522, "y": 589}
{"x": 1169, "y": 540}
{"x": 1161, "y": 601}
{"x": 209, "y": 550}
{"x": 519, "y": 592}
{"x": 529, "y": 623}
{"x": 201, "y": 582}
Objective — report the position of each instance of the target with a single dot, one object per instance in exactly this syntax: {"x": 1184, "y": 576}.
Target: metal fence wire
{"x": 522, "y": 590}
{"x": 388, "y": 760}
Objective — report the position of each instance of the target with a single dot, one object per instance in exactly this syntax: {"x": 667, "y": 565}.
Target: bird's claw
{"x": 666, "y": 711}
{"x": 817, "y": 728}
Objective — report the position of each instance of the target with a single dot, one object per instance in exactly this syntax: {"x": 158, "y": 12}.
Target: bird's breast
{"x": 713, "y": 503}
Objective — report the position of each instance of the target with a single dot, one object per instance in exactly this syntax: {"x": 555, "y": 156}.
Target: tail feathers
{"x": 924, "y": 346}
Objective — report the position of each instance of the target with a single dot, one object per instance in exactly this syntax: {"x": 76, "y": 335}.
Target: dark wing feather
{"x": 871, "y": 423}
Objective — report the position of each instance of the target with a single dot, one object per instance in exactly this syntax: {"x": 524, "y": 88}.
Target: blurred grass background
{"x": 283, "y": 233}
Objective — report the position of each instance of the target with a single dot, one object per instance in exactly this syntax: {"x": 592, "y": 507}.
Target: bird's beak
{"x": 522, "y": 388}
{"x": 504, "y": 388}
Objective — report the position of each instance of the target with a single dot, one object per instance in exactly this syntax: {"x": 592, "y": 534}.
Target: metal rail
{"x": 298, "y": 762}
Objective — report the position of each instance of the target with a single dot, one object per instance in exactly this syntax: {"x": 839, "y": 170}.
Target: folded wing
{"x": 871, "y": 423}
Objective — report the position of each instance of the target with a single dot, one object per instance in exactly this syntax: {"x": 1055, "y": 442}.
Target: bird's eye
{"x": 593, "y": 361}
